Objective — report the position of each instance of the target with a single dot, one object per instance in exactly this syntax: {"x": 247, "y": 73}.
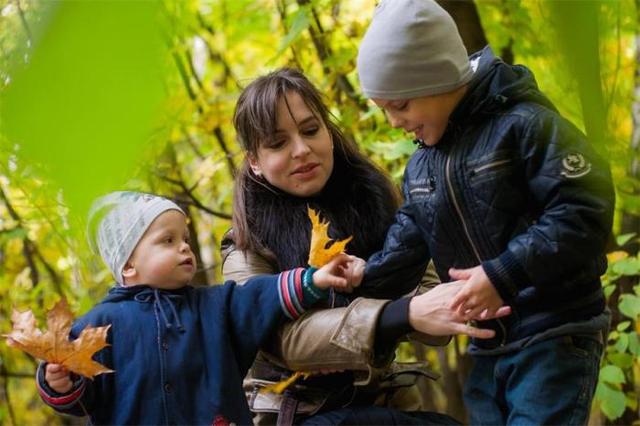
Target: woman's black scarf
{"x": 357, "y": 200}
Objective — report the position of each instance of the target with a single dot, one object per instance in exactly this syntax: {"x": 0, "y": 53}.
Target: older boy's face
{"x": 163, "y": 257}
{"x": 426, "y": 117}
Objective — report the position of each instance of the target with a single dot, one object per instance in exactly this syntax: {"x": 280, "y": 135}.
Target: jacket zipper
{"x": 455, "y": 204}
{"x": 466, "y": 229}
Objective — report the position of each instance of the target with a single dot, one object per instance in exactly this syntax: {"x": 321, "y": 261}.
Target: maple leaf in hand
{"x": 319, "y": 254}
{"x": 54, "y": 346}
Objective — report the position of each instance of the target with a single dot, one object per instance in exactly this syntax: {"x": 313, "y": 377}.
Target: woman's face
{"x": 299, "y": 158}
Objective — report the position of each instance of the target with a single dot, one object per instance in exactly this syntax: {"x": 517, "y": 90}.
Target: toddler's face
{"x": 427, "y": 116}
{"x": 163, "y": 257}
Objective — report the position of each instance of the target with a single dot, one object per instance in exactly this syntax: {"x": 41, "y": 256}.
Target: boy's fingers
{"x": 474, "y": 312}
{"x": 459, "y": 274}
{"x": 457, "y": 301}
{"x": 54, "y": 368}
{"x": 479, "y": 333}
{"x": 62, "y": 380}
{"x": 503, "y": 311}
{"x": 339, "y": 282}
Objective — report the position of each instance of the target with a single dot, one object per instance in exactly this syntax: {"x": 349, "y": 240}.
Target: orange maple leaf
{"x": 319, "y": 254}
{"x": 54, "y": 345}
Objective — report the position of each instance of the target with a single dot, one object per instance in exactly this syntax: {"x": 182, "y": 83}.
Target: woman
{"x": 297, "y": 157}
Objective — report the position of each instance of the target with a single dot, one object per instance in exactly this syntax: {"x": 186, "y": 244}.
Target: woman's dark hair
{"x": 358, "y": 198}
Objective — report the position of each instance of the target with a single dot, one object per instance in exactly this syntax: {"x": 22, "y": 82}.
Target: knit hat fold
{"x": 412, "y": 48}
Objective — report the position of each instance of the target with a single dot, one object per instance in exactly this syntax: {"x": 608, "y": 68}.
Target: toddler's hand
{"x": 334, "y": 273}
{"x": 478, "y": 299}
{"x": 58, "y": 378}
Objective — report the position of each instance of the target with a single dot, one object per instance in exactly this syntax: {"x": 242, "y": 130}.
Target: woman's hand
{"x": 430, "y": 313}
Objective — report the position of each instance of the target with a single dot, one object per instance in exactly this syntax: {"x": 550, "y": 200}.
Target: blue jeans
{"x": 548, "y": 383}
{"x": 378, "y": 416}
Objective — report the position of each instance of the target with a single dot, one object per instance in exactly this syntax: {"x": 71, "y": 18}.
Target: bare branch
{"x": 192, "y": 200}
{"x": 29, "y": 250}
{"x": 324, "y": 51}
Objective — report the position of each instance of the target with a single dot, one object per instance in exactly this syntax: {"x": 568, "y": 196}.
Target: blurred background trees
{"x": 585, "y": 55}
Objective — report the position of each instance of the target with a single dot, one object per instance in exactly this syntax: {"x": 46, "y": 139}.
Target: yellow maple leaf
{"x": 319, "y": 254}
{"x": 54, "y": 345}
{"x": 282, "y": 385}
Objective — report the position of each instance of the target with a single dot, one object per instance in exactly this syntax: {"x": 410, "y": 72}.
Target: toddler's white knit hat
{"x": 412, "y": 48}
{"x": 118, "y": 221}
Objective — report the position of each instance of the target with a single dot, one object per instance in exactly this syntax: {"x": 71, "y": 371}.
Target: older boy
{"x": 503, "y": 193}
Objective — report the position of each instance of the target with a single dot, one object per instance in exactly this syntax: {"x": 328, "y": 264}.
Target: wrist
{"x": 411, "y": 313}
{"x": 311, "y": 292}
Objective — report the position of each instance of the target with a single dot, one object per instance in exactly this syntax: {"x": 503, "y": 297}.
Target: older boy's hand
{"x": 58, "y": 378}
{"x": 353, "y": 272}
{"x": 478, "y": 299}
{"x": 430, "y": 313}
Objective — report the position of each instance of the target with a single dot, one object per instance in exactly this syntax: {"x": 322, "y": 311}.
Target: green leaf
{"x": 622, "y": 343}
{"x": 634, "y": 344}
{"x": 623, "y": 325}
{"x": 624, "y": 238}
{"x": 612, "y": 401}
{"x": 300, "y": 23}
{"x": 622, "y": 360}
{"x": 629, "y": 305}
{"x": 608, "y": 290}
{"x": 629, "y": 266}
{"x": 612, "y": 374}
{"x": 6, "y": 236}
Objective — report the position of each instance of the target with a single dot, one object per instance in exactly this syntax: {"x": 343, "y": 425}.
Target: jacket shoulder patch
{"x": 574, "y": 165}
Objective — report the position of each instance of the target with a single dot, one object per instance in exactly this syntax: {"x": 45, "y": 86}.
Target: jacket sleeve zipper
{"x": 490, "y": 165}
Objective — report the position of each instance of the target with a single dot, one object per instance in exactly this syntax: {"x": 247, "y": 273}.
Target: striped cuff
{"x": 297, "y": 291}
{"x": 60, "y": 402}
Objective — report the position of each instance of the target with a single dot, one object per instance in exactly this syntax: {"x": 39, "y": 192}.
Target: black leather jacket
{"x": 514, "y": 187}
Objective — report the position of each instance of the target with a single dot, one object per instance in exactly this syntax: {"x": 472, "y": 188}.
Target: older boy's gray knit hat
{"x": 412, "y": 48}
{"x": 118, "y": 221}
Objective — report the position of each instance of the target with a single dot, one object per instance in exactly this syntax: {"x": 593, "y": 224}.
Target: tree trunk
{"x": 465, "y": 15}
{"x": 451, "y": 385}
{"x": 631, "y": 222}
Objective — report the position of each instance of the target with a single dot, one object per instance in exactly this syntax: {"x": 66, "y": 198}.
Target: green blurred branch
{"x": 23, "y": 20}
